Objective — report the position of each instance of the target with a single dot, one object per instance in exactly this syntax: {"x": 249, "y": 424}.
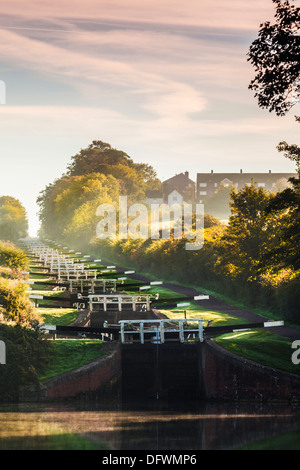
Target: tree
{"x": 292, "y": 152}
{"x": 101, "y": 157}
{"x": 13, "y": 219}
{"x": 275, "y": 57}
{"x": 62, "y": 201}
{"x": 287, "y": 202}
{"x": 98, "y": 174}
{"x": 248, "y": 235}
{"x": 96, "y": 159}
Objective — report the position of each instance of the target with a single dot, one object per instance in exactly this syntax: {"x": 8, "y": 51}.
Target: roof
{"x": 174, "y": 191}
{"x": 157, "y": 193}
{"x": 181, "y": 178}
{"x": 243, "y": 177}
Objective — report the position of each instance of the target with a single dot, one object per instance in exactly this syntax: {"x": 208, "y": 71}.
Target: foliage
{"x": 261, "y": 346}
{"x": 27, "y": 354}
{"x": 15, "y": 305}
{"x": 249, "y": 233}
{"x": 287, "y": 203}
{"x": 13, "y": 219}
{"x": 100, "y": 157}
{"x": 275, "y": 57}
{"x": 96, "y": 175}
{"x": 12, "y": 257}
{"x": 69, "y": 204}
{"x": 79, "y": 353}
{"x": 211, "y": 221}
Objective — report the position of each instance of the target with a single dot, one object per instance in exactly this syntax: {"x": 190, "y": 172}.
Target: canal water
{"x": 152, "y": 426}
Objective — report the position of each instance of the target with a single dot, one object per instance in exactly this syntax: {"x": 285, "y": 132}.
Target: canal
{"x": 150, "y": 426}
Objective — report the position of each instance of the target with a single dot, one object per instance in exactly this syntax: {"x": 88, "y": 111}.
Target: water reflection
{"x": 137, "y": 426}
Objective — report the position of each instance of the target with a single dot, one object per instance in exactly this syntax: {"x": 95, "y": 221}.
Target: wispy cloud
{"x": 162, "y": 94}
{"x": 235, "y": 14}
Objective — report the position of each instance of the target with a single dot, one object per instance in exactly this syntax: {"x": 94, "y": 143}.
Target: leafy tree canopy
{"x": 249, "y": 234}
{"x": 287, "y": 202}
{"x": 275, "y": 57}
{"x": 98, "y": 174}
{"x": 101, "y": 157}
{"x": 13, "y": 219}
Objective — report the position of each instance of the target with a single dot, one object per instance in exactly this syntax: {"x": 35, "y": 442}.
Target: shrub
{"x": 27, "y": 355}
{"x": 15, "y": 304}
{"x": 12, "y": 257}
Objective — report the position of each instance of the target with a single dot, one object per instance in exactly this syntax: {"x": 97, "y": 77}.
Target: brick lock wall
{"x": 230, "y": 377}
{"x": 100, "y": 378}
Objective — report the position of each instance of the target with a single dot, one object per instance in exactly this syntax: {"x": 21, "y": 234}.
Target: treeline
{"x": 27, "y": 352}
{"x": 254, "y": 259}
{"x": 13, "y": 219}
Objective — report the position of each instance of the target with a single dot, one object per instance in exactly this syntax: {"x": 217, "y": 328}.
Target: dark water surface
{"x": 151, "y": 426}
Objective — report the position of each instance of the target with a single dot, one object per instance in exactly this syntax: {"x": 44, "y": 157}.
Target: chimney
{"x": 211, "y": 171}
{"x": 270, "y": 171}
{"x": 186, "y": 174}
{"x": 241, "y": 171}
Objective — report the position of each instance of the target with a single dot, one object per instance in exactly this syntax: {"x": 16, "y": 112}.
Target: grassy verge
{"x": 59, "y": 440}
{"x": 70, "y": 354}
{"x": 58, "y": 316}
{"x": 261, "y": 346}
{"x": 197, "y": 312}
{"x": 286, "y": 441}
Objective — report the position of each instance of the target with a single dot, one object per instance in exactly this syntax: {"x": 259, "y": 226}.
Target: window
{"x": 203, "y": 185}
{"x": 261, "y": 185}
{"x": 203, "y": 193}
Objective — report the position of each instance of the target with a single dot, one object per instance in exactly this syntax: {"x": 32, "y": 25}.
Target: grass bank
{"x": 261, "y": 346}
{"x": 70, "y": 354}
{"x": 58, "y": 316}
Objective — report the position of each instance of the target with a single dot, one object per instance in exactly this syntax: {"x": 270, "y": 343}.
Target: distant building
{"x": 209, "y": 183}
{"x": 175, "y": 197}
{"x": 154, "y": 197}
{"x": 182, "y": 184}
{"x": 176, "y": 190}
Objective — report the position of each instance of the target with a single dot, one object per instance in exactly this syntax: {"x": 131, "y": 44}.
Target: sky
{"x": 165, "y": 81}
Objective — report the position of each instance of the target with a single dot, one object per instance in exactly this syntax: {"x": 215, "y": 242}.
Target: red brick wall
{"x": 98, "y": 378}
{"x": 226, "y": 376}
